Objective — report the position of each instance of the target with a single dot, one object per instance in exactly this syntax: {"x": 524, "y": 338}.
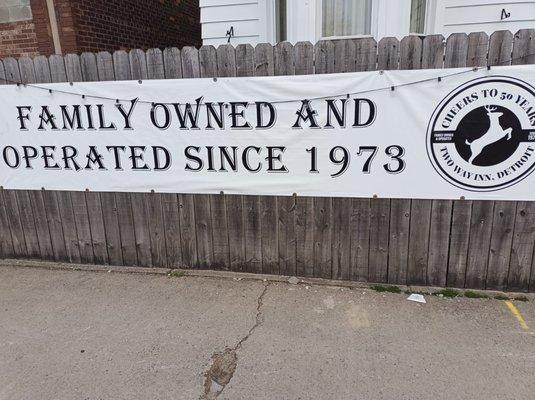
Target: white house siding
{"x": 253, "y": 19}
{"x": 245, "y": 16}
{"x": 484, "y": 16}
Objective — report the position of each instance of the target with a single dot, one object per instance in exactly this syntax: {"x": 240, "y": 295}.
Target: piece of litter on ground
{"x": 306, "y": 287}
{"x": 293, "y": 280}
{"x": 417, "y": 298}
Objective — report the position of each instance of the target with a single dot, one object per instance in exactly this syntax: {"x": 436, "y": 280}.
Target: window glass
{"x": 417, "y": 16}
{"x": 346, "y": 17}
{"x": 280, "y": 20}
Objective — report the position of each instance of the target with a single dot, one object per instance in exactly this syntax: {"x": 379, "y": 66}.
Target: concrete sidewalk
{"x": 90, "y": 335}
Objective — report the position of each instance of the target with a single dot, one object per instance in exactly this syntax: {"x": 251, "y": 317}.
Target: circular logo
{"x": 481, "y": 137}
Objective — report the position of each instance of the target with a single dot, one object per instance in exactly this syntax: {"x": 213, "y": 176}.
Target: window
{"x": 280, "y": 21}
{"x": 417, "y": 24}
{"x": 345, "y": 17}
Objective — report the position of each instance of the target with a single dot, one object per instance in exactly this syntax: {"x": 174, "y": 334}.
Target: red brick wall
{"x": 97, "y": 25}
{"x": 18, "y": 39}
{"x": 126, "y": 24}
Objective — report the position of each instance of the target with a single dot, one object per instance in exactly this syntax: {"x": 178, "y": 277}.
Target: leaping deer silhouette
{"x": 493, "y": 134}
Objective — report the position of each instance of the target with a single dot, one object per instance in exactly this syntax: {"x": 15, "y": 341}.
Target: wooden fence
{"x": 475, "y": 244}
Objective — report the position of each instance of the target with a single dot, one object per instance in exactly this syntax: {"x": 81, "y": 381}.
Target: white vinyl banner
{"x": 431, "y": 134}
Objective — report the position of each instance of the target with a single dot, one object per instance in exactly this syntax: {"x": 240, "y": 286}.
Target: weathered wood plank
{"x": 478, "y": 248}
{"x": 341, "y": 239}
{"x": 112, "y": 230}
{"x": 286, "y": 234}
{"x": 388, "y": 53}
{"x": 410, "y": 52}
{"x": 190, "y": 62}
{"x": 398, "y": 246}
{"x": 226, "y": 61}
{"x": 522, "y": 263}
{"x": 204, "y": 231}
{"x": 121, "y": 65}
{"x": 500, "y": 48}
{"x": 15, "y": 226}
{"x": 28, "y": 224}
{"x": 344, "y": 55}
{"x": 499, "y": 53}
{"x": 419, "y": 241}
{"x": 365, "y": 54}
{"x": 253, "y": 233}
{"x": 236, "y": 233}
{"x": 324, "y": 57}
{"x": 522, "y": 247}
{"x": 304, "y": 206}
{"x": 55, "y": 226}
{"x": 410, "y": 57}
{"x": 140, "y": 216}
{"x": 476, "y": 55}
{"x": 42, "y": 70}
{"x": 83, "y": 229}
{"x": 220, "y": 234}
{"x": 379, "y": 237}
{"x": 3, "y": 78}
{"x": 284, "y": 59}
{"x": 6, "y": 242}
{"x": 154, "y": 201}
{"x": 500, "y": 244}
{"x": 111, "y": 251}
{"x": 360, "y": 220}
{"x": 196, "y": 208}
{"x": 17, "y": 203}
{"x": 431, "y": 254}
{"x": 323, "y": 221}
{"x": 188, "y": 233}
{"x": 304, "y": 58}
{"x": 27, "y": 70}
{"x": 123, "y": 201}
{"x": 31, "y": 206}
{"x": 57, "y": 68}
{"x": 73, "y": 68}
{"x": 88, "y": 63}
{"x": 304, "y": 233}
{"x": 524, "y": 47}
{"x": 97, "y": 227}
{"x": 478, "y": 43}
{"x": 172, "y": 62}
{"x": 147, "y": 207}
{"x": 105, "y": 68}
{"x": 171, "y": 229}
{"x": 269, "y": 234}
{"x": 263, "y": 54}
{"x": 69, "y": 226}
{"x": 439, "y": 237}
{"x": 459, "y": 241}
{"x": 207, "y": 61}
{"x": 284, "y": 64}
{"x": 456, "y": 51}
{"x": 433, "y": 51}
{"x": 138, "y": 64}
{"x": 127, "y": 230}
{"x": 245, "y": 65}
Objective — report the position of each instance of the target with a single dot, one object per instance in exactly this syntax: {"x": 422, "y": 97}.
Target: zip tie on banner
{"x": 381, "y": 72}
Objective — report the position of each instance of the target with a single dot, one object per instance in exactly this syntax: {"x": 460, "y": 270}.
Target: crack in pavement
{"x": 224, "y": 363}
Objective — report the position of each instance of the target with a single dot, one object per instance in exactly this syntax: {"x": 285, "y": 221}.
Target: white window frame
{"x": 318, "y": 23}
{"x": 388, "y": 18}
